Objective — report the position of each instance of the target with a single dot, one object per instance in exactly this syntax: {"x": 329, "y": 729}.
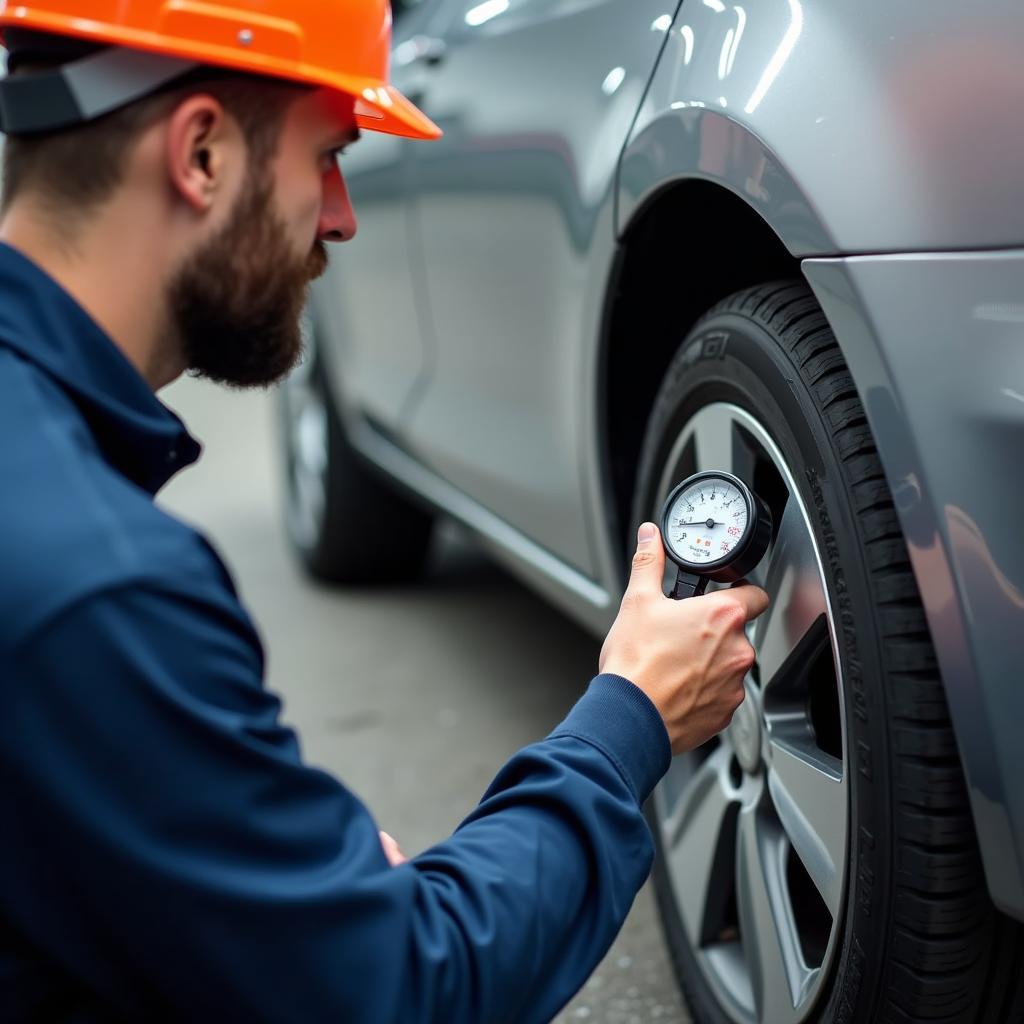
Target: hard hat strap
{"x": 81, "y": 91}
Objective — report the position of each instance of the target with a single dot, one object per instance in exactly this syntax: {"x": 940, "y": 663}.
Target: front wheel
{"x": 817, "y": 860}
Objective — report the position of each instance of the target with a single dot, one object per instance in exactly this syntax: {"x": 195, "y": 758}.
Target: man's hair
{"x": 79, "y": 168}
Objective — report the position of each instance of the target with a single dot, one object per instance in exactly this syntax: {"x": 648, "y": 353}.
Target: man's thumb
{"x": 649, "y": 560}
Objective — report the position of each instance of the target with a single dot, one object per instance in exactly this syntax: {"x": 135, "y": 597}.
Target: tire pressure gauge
{"x": 714, "y": 528}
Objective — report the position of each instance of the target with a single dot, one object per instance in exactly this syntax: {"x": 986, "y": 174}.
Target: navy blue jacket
{"x": 165, "y": 852}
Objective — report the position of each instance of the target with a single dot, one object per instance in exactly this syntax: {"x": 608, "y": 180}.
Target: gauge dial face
{"x": 707, "y": 521}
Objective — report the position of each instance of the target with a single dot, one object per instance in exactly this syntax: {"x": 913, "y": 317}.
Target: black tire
{"x": 346, "y": 524}
{"x": 915, "y": 938}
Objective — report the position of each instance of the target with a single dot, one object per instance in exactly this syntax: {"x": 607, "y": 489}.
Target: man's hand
{"x": 689, "y": 656}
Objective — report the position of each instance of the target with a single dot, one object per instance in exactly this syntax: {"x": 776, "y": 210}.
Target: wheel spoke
{"x": 810, "y": 800}
{"x": 308, "y": 504}
{"x": 713, "y": 432}
{"x": 311, "y": 436}
{"x": 770, "y": 942}
{"x": 700, "y": 848}
{"x": 307, "y": 441}
{"x": 791, "y": 575}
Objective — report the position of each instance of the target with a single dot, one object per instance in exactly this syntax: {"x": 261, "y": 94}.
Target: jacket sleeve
{"x": 168, "y": 848}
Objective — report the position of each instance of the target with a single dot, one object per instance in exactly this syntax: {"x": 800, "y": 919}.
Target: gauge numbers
{"x": 707, "y": 520}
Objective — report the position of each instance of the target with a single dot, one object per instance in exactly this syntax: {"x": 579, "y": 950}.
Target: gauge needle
{"x": 704, "y": 522}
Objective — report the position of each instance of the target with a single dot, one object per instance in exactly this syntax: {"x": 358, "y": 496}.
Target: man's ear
{"x": 202, "y": 143}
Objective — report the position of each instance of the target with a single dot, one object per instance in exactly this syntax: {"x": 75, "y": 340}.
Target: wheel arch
{"x": 661, "y": 285}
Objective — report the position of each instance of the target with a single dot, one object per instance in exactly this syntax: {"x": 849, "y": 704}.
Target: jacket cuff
{"x": 621, "y": 721}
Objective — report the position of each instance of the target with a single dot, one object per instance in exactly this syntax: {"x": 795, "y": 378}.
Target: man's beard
{"x": 236, "y": 304}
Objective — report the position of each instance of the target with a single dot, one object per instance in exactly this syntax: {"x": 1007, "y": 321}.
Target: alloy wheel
{"x": 754, "y": 825}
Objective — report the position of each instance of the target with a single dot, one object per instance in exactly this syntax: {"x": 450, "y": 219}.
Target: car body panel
{"x": 370, "y": 290}
{"x": 377, "y": 339}
{"x": 848, "y": 126}
{"x": 571, "y": 591}
{"x": 508, "y": 206}
{"x": 935, "y": 343}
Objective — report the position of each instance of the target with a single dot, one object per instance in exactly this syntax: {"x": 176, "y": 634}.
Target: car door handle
{"x": 420, "y": 50}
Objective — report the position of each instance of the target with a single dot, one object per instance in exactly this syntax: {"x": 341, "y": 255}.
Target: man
{"x": 170, "y": 178}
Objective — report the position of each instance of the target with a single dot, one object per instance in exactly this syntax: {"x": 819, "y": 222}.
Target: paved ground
{"x": 414, "y": 696}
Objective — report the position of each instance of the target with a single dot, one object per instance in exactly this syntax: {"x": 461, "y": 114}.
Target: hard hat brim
{"x": 389, "y": 111}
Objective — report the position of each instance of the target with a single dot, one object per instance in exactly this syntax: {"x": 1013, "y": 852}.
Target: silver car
{"x": 783, "y": 239}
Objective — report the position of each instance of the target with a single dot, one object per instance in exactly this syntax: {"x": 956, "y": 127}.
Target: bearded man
{"x": 171, "y": 177}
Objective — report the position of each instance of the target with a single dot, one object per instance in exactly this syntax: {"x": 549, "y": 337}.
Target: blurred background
{"x": 414, "y": 696}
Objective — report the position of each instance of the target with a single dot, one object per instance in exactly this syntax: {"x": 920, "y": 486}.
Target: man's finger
{"x": 649, "y": 560}
{"x": 754, "y": 599}
{"x": 391, "y": 850}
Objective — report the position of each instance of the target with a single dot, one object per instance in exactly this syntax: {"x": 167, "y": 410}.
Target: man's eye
{"x": 331, "y": 158}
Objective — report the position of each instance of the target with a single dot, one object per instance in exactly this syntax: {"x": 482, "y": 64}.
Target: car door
{"x": 367, "y": 304}
{"x": 536, "y": 98}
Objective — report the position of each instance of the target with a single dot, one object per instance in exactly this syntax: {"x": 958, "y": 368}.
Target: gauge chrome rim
{"x": 306, "y": 429}
{"x": 754, "y": 825}
{"x": 750, "y": 533}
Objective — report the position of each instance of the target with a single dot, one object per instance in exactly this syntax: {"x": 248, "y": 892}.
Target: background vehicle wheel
{"x": 344, "y": 521}
{"x": 817, "y": 860}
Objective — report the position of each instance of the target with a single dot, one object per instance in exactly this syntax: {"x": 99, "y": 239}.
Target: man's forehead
{"x": 332, "y": 113}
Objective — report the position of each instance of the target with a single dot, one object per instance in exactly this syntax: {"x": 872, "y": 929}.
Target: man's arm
{"x": 168, "y": 848}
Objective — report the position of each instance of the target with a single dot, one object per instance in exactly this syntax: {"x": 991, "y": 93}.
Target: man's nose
{"x": 337, "y": 218}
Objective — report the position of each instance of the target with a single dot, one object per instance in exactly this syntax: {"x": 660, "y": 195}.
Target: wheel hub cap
{"x": 745, "y": 732}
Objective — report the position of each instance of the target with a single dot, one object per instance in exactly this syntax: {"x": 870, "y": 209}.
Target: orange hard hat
{"x": 342, "y": 45}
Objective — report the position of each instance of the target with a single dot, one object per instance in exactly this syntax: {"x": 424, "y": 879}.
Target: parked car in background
{"x": 781, "y": 239}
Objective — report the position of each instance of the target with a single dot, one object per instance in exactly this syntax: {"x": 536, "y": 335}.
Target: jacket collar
{"x": 40, "y": 321}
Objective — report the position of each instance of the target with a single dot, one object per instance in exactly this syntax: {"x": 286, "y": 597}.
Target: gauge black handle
{"x": 688, "y": 585}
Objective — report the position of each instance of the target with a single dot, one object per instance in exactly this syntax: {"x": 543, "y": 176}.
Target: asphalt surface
{"x": 414, "y": 696}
